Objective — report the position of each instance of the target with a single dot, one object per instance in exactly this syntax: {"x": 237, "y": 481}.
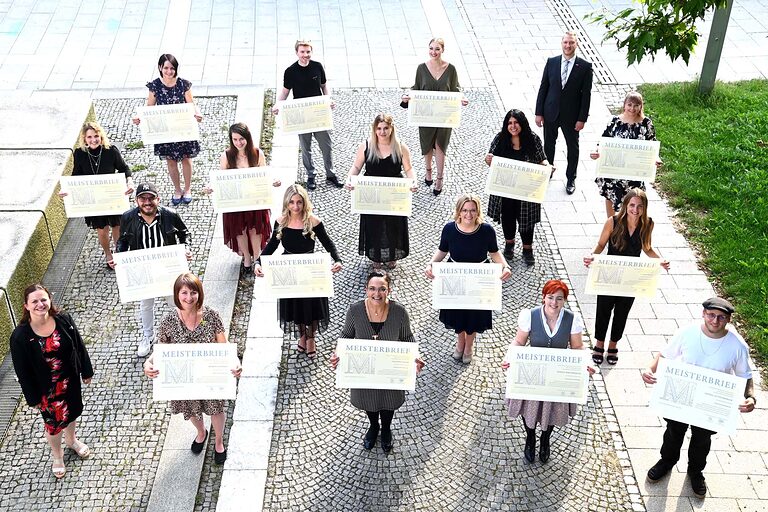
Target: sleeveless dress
{"x": 235, "y": 223}
{"x": 535, "y": 411}
{"x": 170, "y": 96}
{"x": 102, "y": 161}
{"x": 429, "y": 137}
{"x": 311, "y": 311}
{"x": 467, "y": 248}
{"x": 383, "y": 237}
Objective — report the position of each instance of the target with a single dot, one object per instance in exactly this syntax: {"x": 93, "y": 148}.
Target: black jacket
{"x": 565, "y": 104}
{"x": 32, "y": 370}
{"x": 173, "y": 228}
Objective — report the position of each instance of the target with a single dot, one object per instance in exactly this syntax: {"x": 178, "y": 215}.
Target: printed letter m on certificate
{"x": 283, "y": 276}
{"x": 532, "y": 375}
{"x": 178, "y": 373}
{"x": 453, "y": 286}
{"x": 609, "y": 275}
{"x": 679, "y": 392}
{"x": 360, "y": 364}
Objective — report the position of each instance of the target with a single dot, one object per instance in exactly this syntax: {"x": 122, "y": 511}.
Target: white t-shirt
{"x": 524, "y": 322}
{"x": 729, "y": 354}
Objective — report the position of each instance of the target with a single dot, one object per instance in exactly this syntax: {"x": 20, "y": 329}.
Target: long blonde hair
{"x": 374, "y": 155}
{"x": 92, "y": 125}
{"x": 306, "y": 214}
{"x": 620, "y": 232}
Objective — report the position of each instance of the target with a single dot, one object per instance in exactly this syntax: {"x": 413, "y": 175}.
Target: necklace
{"x": 701, "y": 345}
{"x": 94, "y": 160}
{"x": 378, "y": 323}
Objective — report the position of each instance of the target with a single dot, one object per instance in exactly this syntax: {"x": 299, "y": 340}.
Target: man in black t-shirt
{"x": 307, "y": 79}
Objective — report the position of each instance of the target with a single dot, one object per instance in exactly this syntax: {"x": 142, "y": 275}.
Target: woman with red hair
{"x": 550, "y": 326}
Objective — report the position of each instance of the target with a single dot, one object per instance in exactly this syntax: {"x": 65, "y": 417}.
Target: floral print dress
{"x": 169, "y": 96}
{"x": 63, "y": 402}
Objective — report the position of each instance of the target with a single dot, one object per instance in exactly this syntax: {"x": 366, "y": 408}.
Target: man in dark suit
{"x": 563, "y": 103}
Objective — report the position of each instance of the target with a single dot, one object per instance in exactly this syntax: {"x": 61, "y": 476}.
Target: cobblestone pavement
{"x": 123, "y": 426}
{"x": 455, "y": 447}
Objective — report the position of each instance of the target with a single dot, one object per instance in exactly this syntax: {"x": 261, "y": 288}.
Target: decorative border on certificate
{"x": 466, "y": 286}
{"x": 376, "y": 364}
{"x": 242, "y": 190}
{"x": 547, "y": 374}
{"x": 373, "y": 195}
{"x": 518, "y": 180}
{"x": 697, "y": 396}
{"x": 194, "y": 371}
{"x": 624, "y": 276}
{"x": 306, "y": 115}
{"x": 434, "y": 109}
{"x": 291, "y": 276}
{"x": 161, "y": 124}
{"x": 629, "y": 159}
{"x": 149, "y": 273}
{"x": 100, "y": 194}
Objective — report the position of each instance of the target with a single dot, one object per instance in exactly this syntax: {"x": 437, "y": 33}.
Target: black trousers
{"x": 510, "y": 216}
{"x": 620, "y": 307}
{"x": 698, "y": 449}
{"x": 571, "y": 144}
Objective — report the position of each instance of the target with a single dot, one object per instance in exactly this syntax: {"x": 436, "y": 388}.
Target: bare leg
{"x": 57, "y": 452}
{"x": 428, "y": 165}
{"x": 217, "y": 422}
{"x": 310, "y": 333}
{"x": 469, "y": 341}
{"x": 609, "y": 208}
{"x": 103, "y": 235}
{"x": 173, "y": 172}
{"x": 460, "y": 342}
{"x": 115, "y": 235}
{"x": 440, "y": 162}
{"x": 186, "y": 168}
{"x": 255, "y": 239}
{"x": 242, "y": 246}
{"x": 197, "y": 421}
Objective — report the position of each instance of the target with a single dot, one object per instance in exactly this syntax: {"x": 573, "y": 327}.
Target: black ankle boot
{"x": 509, "y": 250}
{"x": 528, "y": 257}
{"x": 370, "y": 437}
{"x": 544, "y": 448}
{"x": 530, "y": 444}
{"x": 386, "y": 440}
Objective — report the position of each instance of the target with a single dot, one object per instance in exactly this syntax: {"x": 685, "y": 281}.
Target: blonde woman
{"x": 383, "y": 238}
{"x": 297, "y": 228}
{"x": 468, "y": 240}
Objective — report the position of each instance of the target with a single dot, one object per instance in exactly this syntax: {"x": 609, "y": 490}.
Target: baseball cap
{"x": 146, "y": 188}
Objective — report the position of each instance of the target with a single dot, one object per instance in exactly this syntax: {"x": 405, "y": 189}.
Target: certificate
{"x": 518, "y": 180}
{"x": 306, "y": 115}
{"x": 376, "y": 364}
{"x": 100, "y": 194}
{"x": 625, "y": 276}
{"x": 381, "y": 196}
{"x": 194, "y": 371}
{"x": 298, "y": 275}
{"x": 629, "y": 159}
{"x": 168, "y": 123}
{"x": 148, "y": 273}
{"x": 433, "y": 108}
{"x": 547, "y": 374}
{"x": 466, "y": 286}
{"x": 697, "y": 396}
{"x": 242, "y": 190}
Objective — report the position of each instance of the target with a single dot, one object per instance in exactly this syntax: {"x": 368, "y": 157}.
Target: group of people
{"x": 51, "y": 359}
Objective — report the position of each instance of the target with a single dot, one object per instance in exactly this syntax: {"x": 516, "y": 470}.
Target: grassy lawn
{"x": 715, "y": 152}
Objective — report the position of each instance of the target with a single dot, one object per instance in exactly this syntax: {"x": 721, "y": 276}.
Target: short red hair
{"x": 554, "y": 285}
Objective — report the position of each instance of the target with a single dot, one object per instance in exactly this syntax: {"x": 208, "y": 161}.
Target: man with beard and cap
{"x": 147, "y": 226}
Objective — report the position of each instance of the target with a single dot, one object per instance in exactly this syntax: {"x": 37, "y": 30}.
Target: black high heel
{"x": 435, "y": 190}
{"x": 426, "y": 181}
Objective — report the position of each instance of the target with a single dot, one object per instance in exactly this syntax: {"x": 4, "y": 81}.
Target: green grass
{"x": 716, "y": 175}
{"x": 134, "y": 145}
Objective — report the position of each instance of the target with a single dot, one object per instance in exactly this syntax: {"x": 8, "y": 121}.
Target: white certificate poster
{"x": 241, "y": 190}
{"x": 518, "y": 180}
{"x": 433, "y": 108}
{"x": 466, "y": 286}
{"x": 194, "y": 371}
{"x": 376, "y": 364}
{"x": 382, "y": 196}
{"x": 306, "y": 115}
{"x": 624, "y": 276}
{"x": 298, "y": 275}
{"x": 629, "y": 159}
{"x": 547, "y": 374}
{"x": 698, "y": 396}
{"x": 100, "y": 194}
{"x": 148, "y": 273}
{"x": 168, "y": 123}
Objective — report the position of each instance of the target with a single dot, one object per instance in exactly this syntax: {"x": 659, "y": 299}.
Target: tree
{"x": 668, "y": 25}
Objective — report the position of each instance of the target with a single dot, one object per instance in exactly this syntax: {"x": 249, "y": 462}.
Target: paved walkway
{"x": 499, "y": 48}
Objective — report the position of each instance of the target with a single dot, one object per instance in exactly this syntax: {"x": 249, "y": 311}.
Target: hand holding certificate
{"x": 100, "y": 194}
{"x": 306, "y": 115}
{"x": 193, "y": 371}
{"x": 466, "y": 286}
{"x": 624, "y": 276}
{"x": 148, "y": 273}
{"x": 381, "y": 196}
{"x": 547, "y": 374}
{"x": 298, "y": 275}
{"x": 697, "y": 396}
{"x": 168, "y": 123}
{"x": 516, "y": 179}
{"x": 376, "y": 364}
{"x": 435, "y": 109}
{"x": 630, "y": 159}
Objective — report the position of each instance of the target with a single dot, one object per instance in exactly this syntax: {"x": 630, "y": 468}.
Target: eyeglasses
{"x": 463, "y": 210}
{"x": 714, "y": 316}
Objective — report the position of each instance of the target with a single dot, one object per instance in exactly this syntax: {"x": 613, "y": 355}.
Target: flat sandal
{"x": 597, "y": 358}
{"x": 612, "y": 358}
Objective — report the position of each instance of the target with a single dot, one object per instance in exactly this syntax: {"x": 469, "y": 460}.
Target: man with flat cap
{"x": 710, "y": 344}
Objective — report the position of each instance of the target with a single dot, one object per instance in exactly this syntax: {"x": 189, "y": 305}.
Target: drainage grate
{"x": 602, "y": 75}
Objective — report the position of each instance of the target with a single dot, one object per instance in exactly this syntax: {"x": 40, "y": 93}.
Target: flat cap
{"x": 720, "y": 304}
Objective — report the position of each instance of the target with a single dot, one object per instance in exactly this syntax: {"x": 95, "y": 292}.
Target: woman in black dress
{"x": 627, "y": 234}
{"x": 468, "y": 240}
{"x": 376, "y": 317}
{"x": 95, "y": 155}
{"x": 383, "y": 238}
{"x": 518, "y": 142}
{"x": 50, "y": 358}
{"x": 297, "y": 228}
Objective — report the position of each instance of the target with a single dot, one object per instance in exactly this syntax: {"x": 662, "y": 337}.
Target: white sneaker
{"x": 144, "y": 347}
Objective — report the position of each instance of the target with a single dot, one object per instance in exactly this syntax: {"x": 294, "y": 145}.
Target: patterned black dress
{"x": 170, "y": 96}
{"x": 63, "y": 403}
